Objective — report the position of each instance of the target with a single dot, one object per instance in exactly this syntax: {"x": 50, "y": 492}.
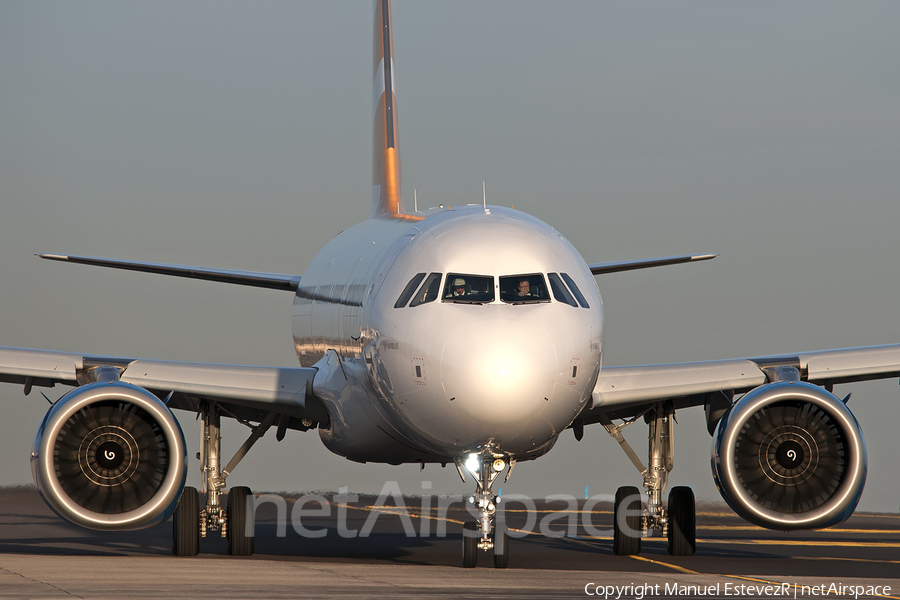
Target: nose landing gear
{"x": 486, "y": 534}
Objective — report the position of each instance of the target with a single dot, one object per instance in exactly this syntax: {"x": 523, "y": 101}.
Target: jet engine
{"x": 790, "y": 455}
{"x": 110, "y": 456}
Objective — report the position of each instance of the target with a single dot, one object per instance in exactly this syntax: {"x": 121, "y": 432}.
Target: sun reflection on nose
{"x": 504, "y": 369}
{"x": 498, "y": 369}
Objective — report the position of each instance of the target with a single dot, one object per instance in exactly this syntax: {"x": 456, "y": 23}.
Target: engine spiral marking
{"x": 111, "y": 457}
{"x": 790, "y": 456}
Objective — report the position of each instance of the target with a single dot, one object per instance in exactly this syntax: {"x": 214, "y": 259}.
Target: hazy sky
{"x": 238, "y": 135}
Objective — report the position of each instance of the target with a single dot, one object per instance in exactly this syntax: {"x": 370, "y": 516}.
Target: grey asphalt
{"x": 43, "y": 557}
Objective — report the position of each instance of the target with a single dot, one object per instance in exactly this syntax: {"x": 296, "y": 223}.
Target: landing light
{"x": 473, "y": 464}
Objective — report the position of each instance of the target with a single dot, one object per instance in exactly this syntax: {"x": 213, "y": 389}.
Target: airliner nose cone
{"x": 498, "y": 372}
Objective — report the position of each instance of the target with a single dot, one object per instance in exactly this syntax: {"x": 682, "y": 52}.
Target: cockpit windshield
{"x": 527, "y": 288}
{"x": 519, "y": 289}
{"x": 469, "y": 289}
{"x": 560, "y": 293}
{"x": 429, "y": 290}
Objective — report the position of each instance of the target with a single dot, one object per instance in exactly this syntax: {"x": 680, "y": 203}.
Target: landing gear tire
{"x": 186, "y": 524}
{"x": 501, "y": 547}
{"x": 682, "y": 522}
{"x": 627, "y": 521}
{"x": 239, "y": 500}
{"x": 471, "y": 535}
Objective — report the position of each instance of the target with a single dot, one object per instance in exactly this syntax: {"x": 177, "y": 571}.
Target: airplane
{"x": 402, "y": 363}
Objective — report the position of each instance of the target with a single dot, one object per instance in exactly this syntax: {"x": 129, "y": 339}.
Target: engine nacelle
{"x": 790, "y": 455}
{"x": 110, "y": 456}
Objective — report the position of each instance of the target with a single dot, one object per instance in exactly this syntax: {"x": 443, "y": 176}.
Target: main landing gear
{"x": 485, "y": 534}
{"x": 235, "y": 523}
{"x": 675, "y": 520}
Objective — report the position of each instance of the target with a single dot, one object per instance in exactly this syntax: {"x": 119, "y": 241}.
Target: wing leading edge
{"x": 246, "y": 390}
{"x": 621, "y": 388}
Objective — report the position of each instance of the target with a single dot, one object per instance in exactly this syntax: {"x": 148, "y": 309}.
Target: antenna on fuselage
{"x": 484, "y": 198}
{"x": 415, "y": 201}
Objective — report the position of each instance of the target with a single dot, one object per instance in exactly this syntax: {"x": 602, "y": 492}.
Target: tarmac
{"x": 365, "y": 550}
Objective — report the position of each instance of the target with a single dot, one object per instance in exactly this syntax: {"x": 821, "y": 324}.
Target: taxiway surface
{"x": 43, "y": 557}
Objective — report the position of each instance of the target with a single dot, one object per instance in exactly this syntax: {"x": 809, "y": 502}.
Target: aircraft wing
{"x": 247, "y": 392}
{"x": 277, "y": 281}
{"x": 646, "y": 263}
{"x": 625, "y": 390}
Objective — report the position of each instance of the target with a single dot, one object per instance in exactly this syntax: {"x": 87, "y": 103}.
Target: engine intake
{"x": 790, "y": 455}
{"x": 110, "y": 456}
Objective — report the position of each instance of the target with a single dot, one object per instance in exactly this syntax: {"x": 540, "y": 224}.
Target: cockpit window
{"x": 560, "y": 293}
{"x": 519, "y": 289}
{"x": 578, "y": 295}
{"x": 471, "y": 289}
{"x": 409, "y": 290}
{"x": 429, "y": 290}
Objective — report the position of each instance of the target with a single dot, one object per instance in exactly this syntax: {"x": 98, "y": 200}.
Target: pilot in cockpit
{"x": 460, "y": 289}
{"x": 524, "y": 290}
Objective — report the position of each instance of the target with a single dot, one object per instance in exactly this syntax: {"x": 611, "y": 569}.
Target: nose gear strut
{"x": 485, "y": 466}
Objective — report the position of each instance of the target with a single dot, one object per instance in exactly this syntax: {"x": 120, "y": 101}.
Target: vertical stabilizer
{"x": 386, "y": 195}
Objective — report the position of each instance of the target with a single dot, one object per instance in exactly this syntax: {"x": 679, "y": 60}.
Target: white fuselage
{"x": 432, "y": 379}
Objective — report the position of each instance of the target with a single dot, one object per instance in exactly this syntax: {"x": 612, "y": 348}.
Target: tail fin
{"x": 386, "y": 196}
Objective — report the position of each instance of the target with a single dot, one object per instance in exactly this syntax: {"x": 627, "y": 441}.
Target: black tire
{"x": 501, "y": 547}
{"x": 682, "y": 522}
{"x": 627, "y": 521}
{"x": 186, "y": 524}
{"x": 239, "y": 500}
{"x": 471, "y": 535}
